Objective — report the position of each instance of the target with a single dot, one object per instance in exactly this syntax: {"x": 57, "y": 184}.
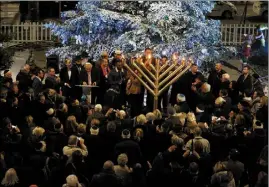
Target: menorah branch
{"x": 174, "y": 79}
{"x": 163, "y": 67}
{"x": 148, "y": 72}
{"x": 144, "y": 75}
{"x": 166, "y": 71}
{"x": 140, "y": 80}
{"x": 171, "y": 75}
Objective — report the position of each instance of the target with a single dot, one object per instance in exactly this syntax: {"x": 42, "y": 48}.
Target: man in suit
{"x": 24, "y": 78}
{"x": 67, "y": 76}
{"x": 117, "y": 82}
{"x": 77, "y": 70}
{"x": 214, "y": 79}
{"x": 245, "y": 81}
{"x": 37, "y": 82}
{"x": 186, "y": 83}
{"x": 90, "y": 76}
{"x": 52, "y": 81}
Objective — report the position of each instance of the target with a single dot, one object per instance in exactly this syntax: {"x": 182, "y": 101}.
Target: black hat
{"x": 234, "y": 153}
{"x": 77, "y": 58}
{"x": 84, "y": 54}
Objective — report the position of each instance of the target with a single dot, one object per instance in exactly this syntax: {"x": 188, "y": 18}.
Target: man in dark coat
{"x": 244, "y": 81}
{"x": 77, "y": 69}
{"x": 52, "y": 82}
{"x": 185, "y": 84}
{"x": 205, "y": 98}
{"x": 107, "y": 177}
{"x": 67, "y": 79}
{"x": 214, "y": 79}
{"x": 129, "y": 147}
{"x": 37, "y": 82}
{"x": 117, "y": 82}
{"x": 24, "y": 78}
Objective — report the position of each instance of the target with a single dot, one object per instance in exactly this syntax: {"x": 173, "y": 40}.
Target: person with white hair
{"x": 128, "y": 146}
{"x": 215, "y": 77}
{"x": 205, "y": 97}
{"x": 97, "y": 114}
{"x": 225, "y": 81}
{"x": 91, "y": 77}
{"x": 72, "y": 181}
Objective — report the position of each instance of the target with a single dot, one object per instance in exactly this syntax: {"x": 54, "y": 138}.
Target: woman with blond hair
{"x": 71, "y": 125}
{"x": 122, "y": 170}
{"x": 11, "y": 179}
{"x": 222, "y": 177}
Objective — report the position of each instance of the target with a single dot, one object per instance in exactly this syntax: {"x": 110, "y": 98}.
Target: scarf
{"x": 105, "y": 70}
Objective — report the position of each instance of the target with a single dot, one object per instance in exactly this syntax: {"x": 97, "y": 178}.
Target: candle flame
{"x": 149, "y": 56}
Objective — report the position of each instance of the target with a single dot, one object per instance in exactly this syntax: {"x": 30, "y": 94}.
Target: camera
{"x": 13, "y": 127}
{"x": 79, "y": 138}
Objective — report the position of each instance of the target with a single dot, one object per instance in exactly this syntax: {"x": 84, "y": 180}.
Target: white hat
{"x": 117, "y": 52}
{"x": 94, "y": 130}
{"x": 50, "y": 111}
{"x": 181, "y": 97}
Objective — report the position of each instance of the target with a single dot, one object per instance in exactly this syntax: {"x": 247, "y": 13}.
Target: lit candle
{"x": 149, "y": 56}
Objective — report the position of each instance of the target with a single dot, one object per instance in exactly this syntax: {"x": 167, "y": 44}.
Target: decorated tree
{"x": 167, "y": 27}
{"x": 6, "y": 53}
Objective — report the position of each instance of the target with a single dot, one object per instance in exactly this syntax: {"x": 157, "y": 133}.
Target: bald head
{"x": 108, "y": 166}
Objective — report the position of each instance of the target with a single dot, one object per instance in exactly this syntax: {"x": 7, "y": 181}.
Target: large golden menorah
{"x": 157, "y": 78}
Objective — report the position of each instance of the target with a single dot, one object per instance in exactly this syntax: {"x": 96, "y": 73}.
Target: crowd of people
{"x": 89, "y": 127}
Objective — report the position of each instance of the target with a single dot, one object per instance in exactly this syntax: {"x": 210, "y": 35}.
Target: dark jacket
{"x": 183, "y": 107}
{"x": 95, "y": 76}
{"x": 105, "y": 179}
{"x": 65, "y": 78}
{"x": 37, "y": 86}
{"x": 51, "y": 83}
{"x": 131, "y": 148}
{"x": 214, "y": 80}
{"x": 117, "y": 79}
{"x": 244, "y": 83}
{"x": 25, "y": 81}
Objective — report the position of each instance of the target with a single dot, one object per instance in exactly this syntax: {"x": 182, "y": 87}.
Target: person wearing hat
{"x": 182, "y": 104}
{"x": 129, "y": 147}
